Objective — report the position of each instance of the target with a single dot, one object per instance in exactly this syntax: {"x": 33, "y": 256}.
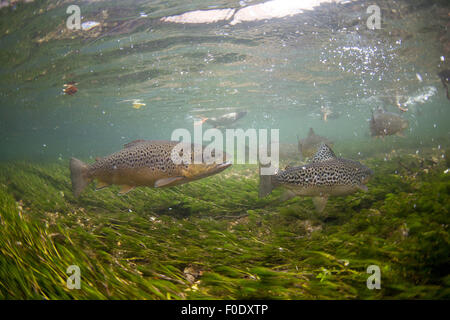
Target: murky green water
{"x": 283, "y": 72}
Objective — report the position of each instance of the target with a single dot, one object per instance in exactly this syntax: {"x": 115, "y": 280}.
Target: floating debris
{"x": 88, "y": 25}
{"x": 70, "y": 88}
{"x": 136, "y": 103}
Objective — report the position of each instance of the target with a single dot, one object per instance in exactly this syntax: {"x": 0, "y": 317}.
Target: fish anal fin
{"x": 363, "y": 187}
{"x": 101, "y": 185}
{"x": 287, "y": 195}
{"x": 167, "y": 181}
{"x": 125, "y": 189}
{"x": 320, "y": 203}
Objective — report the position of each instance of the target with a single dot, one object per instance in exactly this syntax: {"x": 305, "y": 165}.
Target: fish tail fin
{"x": 266, "y": 184}
{"x": 78, "y": 175}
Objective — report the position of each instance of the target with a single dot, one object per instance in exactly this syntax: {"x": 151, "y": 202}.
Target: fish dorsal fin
{"x": 133, "y": 143}
{"x": 381, "y": 109}
{"x": 324, "y": 153}
{"x": 311, "y": 132}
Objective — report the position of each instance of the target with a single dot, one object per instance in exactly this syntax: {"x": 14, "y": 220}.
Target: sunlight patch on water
{"x": 262, "y": 11}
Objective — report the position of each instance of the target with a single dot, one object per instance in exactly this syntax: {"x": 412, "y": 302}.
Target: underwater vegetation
{"x": 215, "y": 239}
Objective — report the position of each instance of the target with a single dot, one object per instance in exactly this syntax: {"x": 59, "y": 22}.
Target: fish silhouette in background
{"x": 385, "y": 123}
{"x": 224, "y": 120}
{"x": 445, "y": 78}
{"x": 308, "y": 146}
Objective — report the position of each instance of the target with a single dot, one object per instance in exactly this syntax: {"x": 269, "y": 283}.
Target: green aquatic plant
{"x": 215, "y": 239}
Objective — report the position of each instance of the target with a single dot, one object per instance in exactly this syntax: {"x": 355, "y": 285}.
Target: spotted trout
{"x": 144, "y": 163}
{"x": 326, "y": 175}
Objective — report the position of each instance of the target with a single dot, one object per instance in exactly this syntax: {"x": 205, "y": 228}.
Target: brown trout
{"x": 143, "y": 163}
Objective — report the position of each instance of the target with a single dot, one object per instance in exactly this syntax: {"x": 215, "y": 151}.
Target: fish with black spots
{"x": 326, "y": 175}
{"x": 152, "y": 163}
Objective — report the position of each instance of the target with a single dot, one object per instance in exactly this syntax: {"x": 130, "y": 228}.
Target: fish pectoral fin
{"x": 101, "y": 185}
{"x": 320, "y": 203}
{"x": 167, "y": 181}
{"x": 125, "y": 189}
{"x": 287, "y": 194}
{"x": 363, "y": 187}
